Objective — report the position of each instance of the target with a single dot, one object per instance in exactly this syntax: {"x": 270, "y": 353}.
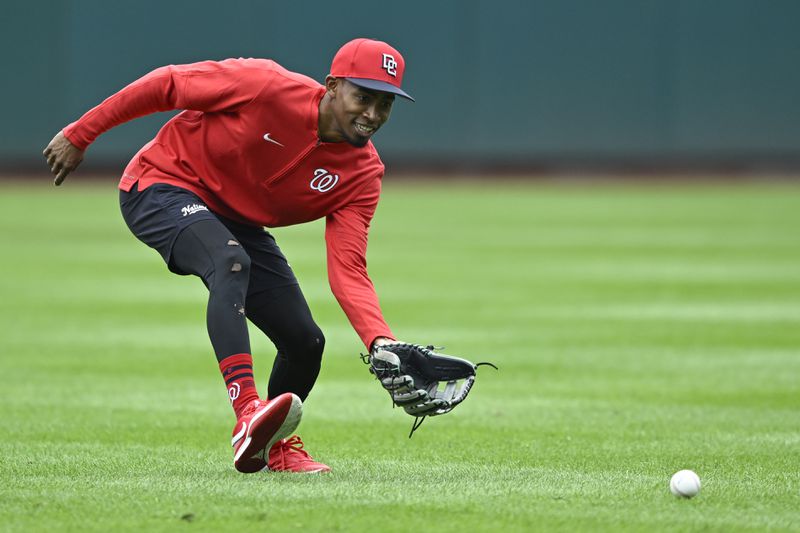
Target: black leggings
{"x": 238, "y": 265}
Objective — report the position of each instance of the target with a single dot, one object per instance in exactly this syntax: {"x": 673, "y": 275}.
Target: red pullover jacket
{"x": 247, "y": 144}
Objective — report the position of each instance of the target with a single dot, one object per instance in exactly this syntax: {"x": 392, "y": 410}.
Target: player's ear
{"x": 332, "y": 84}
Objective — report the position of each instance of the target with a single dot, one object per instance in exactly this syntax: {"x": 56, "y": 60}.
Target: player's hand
{"x": 62, "y": 157}
{"x": 380, "y": 341}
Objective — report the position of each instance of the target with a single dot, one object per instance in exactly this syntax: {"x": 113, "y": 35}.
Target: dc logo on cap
{"x": 390, "y": 64}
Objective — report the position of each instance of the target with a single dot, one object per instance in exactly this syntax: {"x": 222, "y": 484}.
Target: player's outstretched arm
{"x": 62, "y": 157}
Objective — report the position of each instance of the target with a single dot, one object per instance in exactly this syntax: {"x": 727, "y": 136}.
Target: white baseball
{"x": 684, "y": 484}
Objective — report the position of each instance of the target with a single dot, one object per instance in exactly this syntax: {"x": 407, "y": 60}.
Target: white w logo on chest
{"x": 323, "y": 181}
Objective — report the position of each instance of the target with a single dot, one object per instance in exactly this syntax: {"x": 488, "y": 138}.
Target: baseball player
{"x": 257, "y": 146}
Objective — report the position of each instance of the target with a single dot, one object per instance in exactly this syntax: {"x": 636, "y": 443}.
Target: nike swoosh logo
{"x": 270, "y": 139}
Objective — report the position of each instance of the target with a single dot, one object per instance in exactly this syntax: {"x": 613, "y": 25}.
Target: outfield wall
{"x": 512, "y": 81}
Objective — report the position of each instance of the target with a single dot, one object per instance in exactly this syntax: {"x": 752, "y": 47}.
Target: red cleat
{"x": 262, "y": 424}
{"x": 288, "y": 455}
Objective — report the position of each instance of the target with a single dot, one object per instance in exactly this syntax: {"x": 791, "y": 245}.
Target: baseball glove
{"x": 420, "y": 380}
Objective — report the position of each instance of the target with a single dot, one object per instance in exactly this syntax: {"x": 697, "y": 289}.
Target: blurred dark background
{"x": 525, "y": 85}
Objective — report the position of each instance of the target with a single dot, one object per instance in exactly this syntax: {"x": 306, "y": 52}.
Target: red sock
{"x": 237, "y": 371}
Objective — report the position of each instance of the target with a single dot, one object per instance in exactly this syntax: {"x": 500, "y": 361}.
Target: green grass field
{"x": 639, "y": 330}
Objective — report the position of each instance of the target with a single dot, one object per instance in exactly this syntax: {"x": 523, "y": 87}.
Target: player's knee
{"x": 309, "y": 345}
{"x": 233, "y": 260}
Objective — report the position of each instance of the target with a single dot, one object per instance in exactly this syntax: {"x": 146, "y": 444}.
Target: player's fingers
{"x": 60, "y": 176}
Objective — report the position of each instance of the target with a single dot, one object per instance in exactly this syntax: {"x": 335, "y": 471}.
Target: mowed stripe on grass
{"x": 639, "y": 330}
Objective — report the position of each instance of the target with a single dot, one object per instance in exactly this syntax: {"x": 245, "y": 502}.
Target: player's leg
{"x": 192, "y": 240}
{"x": 283, "y": 315}
{"x": 276, "y": 305}
{"x": 208, "y": 250}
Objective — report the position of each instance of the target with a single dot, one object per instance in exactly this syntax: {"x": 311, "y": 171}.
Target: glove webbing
{"x": 418, "y": 420}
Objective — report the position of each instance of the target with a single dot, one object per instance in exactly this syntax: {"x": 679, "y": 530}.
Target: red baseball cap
{"x": 371, "y": 64}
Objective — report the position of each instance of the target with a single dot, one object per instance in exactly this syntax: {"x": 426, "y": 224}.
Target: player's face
{"x": 358, "y": 113}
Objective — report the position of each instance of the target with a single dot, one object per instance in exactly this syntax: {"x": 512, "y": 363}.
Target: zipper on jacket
{"x": 294, "y": 163}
